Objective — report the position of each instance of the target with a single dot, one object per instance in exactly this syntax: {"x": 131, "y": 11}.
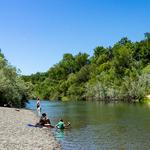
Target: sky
{"x": 34, "y": 34}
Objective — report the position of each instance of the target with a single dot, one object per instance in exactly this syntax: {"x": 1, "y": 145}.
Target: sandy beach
{"x": 15, "y": 134}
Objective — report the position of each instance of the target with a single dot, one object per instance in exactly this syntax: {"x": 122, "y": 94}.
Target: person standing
{"x": 38, "y": 106}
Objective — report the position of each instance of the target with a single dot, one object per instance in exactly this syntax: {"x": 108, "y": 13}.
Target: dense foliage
{"x": 13, "y": 90}
{"x": 121, "y": 72}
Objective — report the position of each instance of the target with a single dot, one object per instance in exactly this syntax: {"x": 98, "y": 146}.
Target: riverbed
{"x": 17, "y": 134}
{"x": 96, "y": 125}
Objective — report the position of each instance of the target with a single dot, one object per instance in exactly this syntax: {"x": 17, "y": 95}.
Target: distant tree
{"x": 124, "y": 41}
{"x": 147, "y": 36}
{"x": 68, "y": 62}
{"x": 81, "y": 59}
{"x": 99, "y": 51}
{"x": 120, "y": 72}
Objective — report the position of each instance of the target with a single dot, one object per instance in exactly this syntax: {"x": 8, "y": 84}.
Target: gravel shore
{"x": 15, "y": 134}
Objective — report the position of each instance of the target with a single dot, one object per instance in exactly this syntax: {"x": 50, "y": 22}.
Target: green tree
{"x": 12, "y": 88}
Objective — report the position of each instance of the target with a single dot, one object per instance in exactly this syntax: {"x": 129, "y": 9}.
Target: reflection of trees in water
{"x": 59, "y": 134}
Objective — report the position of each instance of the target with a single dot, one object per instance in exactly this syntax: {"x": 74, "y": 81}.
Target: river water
{"x": 99, "y": 126}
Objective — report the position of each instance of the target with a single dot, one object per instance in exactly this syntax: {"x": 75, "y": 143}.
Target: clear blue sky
{"x": 34, "y": 34}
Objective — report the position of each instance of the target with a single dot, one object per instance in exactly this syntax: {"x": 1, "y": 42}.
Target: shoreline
{"x": 16, "y": 134}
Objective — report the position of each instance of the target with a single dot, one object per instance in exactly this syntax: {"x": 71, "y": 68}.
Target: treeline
{"x": 120, "y": 72}
{"x": 13, "y": 90}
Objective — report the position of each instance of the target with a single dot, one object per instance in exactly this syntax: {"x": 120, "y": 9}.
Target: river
{"x": 99, "y": 126}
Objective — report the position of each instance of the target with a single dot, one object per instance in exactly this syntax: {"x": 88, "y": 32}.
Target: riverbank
{"x": 16, "y": 134}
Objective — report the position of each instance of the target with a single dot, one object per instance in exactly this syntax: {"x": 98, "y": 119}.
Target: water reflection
{"x": 100, "y": 126}
{"x": 59, "y": 134}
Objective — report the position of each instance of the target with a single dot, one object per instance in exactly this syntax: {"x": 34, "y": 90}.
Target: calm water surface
{"x": 98, "y": 126}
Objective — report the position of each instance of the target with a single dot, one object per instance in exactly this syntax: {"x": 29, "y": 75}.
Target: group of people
{"x": 45, "y": 121}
